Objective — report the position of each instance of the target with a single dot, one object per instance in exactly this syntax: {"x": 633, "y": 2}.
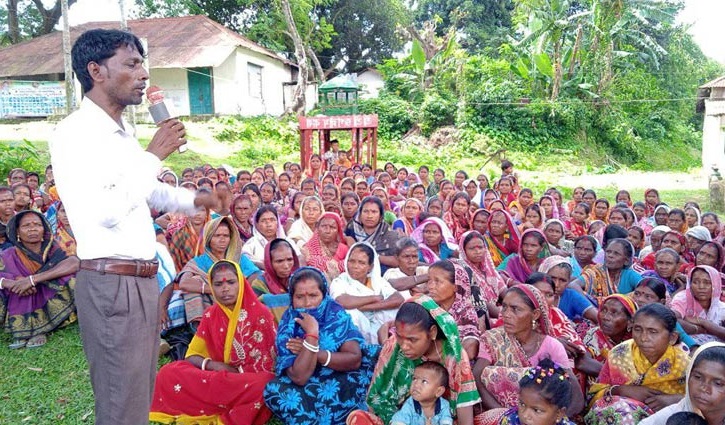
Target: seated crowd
{"x": 342, "y": 294}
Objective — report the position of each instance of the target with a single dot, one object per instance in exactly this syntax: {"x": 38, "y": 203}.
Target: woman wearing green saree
{"x": 423, "y": 331}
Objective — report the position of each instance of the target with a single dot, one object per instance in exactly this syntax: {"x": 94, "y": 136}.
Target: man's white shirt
{"x": 107, "y": 182}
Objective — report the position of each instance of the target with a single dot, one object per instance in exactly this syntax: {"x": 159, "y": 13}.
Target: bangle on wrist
{"x": 314, "y": 336}
{"x": 32, "y": 282}
{"x": 329, "y": 357}
{"x": 1, "y": 282}
{"x": 312, "y": 348}
{"x": 611, "y": 389}
{"x": 204, "y": 362}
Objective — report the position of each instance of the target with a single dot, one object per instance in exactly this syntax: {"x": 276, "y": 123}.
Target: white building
{"x": 371, "y": 82}
{"x": 713, "y": 127}
{"x": 203, "y": 67}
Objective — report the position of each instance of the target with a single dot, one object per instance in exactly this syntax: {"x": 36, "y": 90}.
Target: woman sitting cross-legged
{"x": 324, "y": 366}
{"x": 36, "y": 281}
{"x": 220, "y": 242}
{"x": 506, "y": 352}
{"x": 369, "y": 298}
{"x": 641, "y": 375}
{"x": 228, "y": 363}
{"x": 423, "y": 332}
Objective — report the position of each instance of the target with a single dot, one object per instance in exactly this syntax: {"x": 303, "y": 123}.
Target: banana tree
{"x": 552, "y": 32}
{"x": 432, "y": 60}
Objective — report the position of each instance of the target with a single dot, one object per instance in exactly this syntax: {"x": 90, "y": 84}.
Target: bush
{"x": 19, "y": 155}
{"x": 436, "y": 112}
{"x": 395, "y": 115}
{"x": 257, "y": 133}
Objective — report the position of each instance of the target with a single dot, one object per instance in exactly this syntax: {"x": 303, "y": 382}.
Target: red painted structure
{"x": 364, "y": 129}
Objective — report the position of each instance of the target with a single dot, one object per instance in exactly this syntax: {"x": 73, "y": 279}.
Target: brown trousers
{"x": 118, "y": 322}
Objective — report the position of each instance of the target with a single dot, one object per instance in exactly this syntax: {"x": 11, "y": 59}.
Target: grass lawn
{"x": 50, "y": 384}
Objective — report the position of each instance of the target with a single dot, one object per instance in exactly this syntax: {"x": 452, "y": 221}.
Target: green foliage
{"x": 364, "y": 32}
{"x": 483, "y": 25}
{"x": 262, "y": 139}
{"x": 19, "y": 155}
{"x": 165, "y": 8}
{"x": 395, "y": 116}
{"x": 436, "y": 111}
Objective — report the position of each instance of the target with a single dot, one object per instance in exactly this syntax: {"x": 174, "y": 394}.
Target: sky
{"x": 704, "y": 16}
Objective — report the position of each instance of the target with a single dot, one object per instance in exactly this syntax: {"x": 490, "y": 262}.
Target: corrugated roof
{"x": 188, "y": 41}
{"x": 716, "y": 83}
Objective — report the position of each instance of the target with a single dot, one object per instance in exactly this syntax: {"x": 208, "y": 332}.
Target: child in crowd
{"x": 544, "y": 394}
{"x": 426, "y": 405}
{"x": 686, "y": 418}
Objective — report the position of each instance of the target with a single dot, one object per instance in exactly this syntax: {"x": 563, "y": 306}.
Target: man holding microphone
{"x": 107, "y": 183}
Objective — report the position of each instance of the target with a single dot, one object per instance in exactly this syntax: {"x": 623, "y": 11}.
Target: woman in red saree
{"x": 458, "y": 218}
{"x": 228, "y": 364}
{"x": 576, "y": 225}
{"x": 326, "y": 250}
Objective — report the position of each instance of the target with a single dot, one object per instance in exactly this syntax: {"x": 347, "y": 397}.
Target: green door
{"x": 201, "y": 98}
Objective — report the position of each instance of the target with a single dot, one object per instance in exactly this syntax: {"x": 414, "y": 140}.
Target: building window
{"x": 254, "y": 77}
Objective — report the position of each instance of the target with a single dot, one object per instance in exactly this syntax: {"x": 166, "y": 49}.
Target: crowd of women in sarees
{"x": 312, "y": 295}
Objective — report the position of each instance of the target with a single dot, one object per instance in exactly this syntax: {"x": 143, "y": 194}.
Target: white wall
{"x": 231, "y": 86}
{"x": 713, "y": 138}
{"x": 175, "y": 85}
{"x": 226, "y": 83}
{"x": 274, "y": 73}
{"x": 371, "y": 82}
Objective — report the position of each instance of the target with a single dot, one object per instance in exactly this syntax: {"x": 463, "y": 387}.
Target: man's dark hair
{"x": 506, "y": 164}
{"x": 97, "y": 46}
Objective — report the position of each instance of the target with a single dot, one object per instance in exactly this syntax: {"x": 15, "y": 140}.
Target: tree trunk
{"x": 13, "y": 25}
{"x": 299, "y": 102}
{"x": 575, "y": 50}
{"x": 50, "y": 16}
{"x": 67, "y": 61}
{"x": 557, "y": 71}
{"x": 319, "y": 73}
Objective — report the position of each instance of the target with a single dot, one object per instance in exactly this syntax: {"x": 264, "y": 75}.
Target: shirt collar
{"x": 419, "y": 409}
{"x": 102, "y": 121}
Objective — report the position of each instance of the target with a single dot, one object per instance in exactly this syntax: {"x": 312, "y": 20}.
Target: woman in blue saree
{"x": 323, "y": 367}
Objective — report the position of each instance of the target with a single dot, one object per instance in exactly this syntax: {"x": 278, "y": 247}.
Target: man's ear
{"x": 96, "y": 71}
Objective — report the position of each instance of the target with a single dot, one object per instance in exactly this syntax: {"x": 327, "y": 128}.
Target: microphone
{"x": 158, "y": 109}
